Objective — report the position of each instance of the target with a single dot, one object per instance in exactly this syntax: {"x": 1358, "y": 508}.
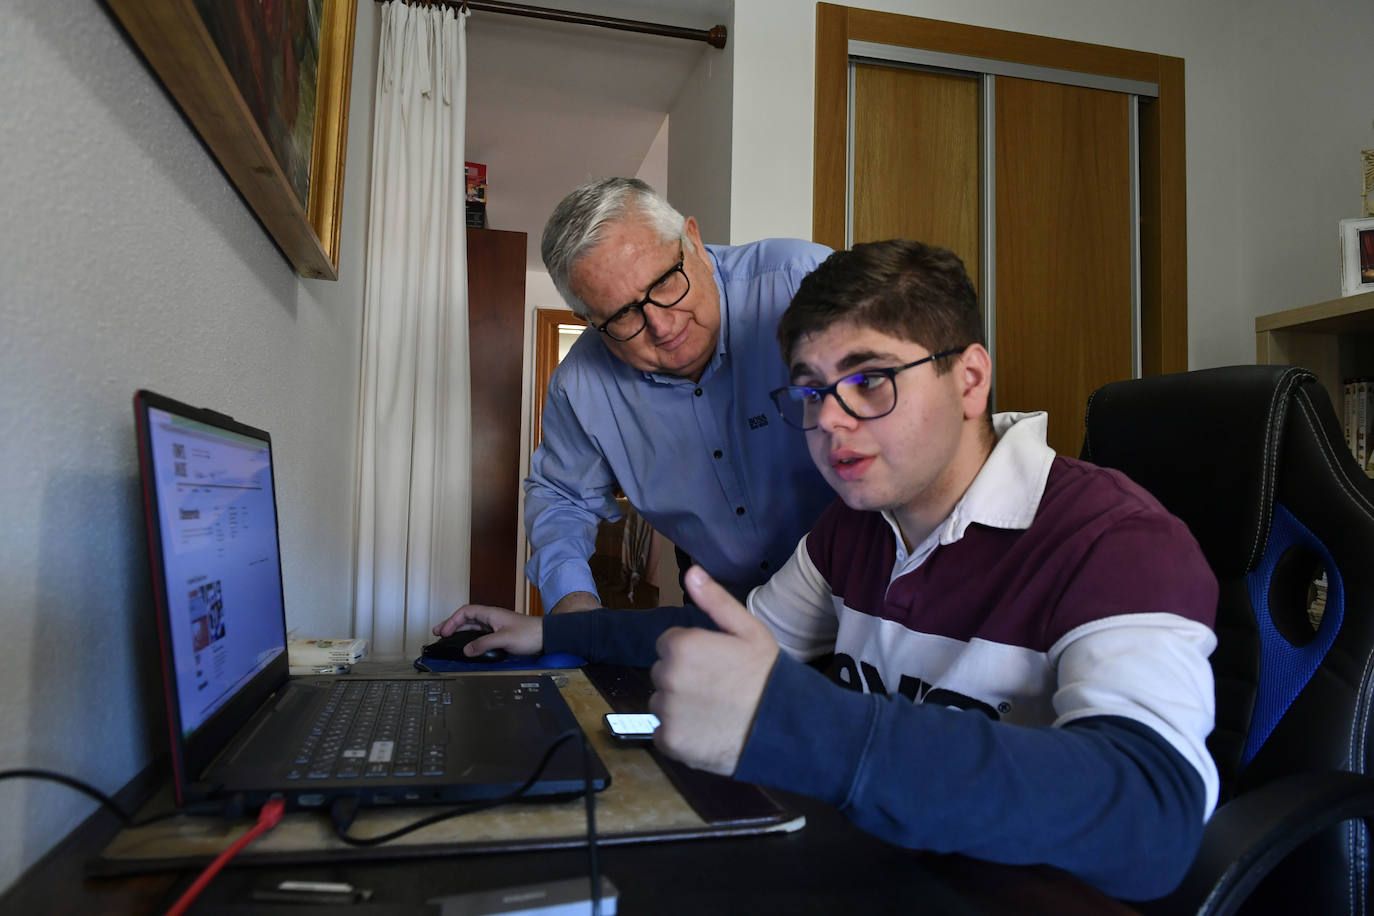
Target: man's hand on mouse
{"x": 708, "y": 685}
{"x": 518, "y": 634}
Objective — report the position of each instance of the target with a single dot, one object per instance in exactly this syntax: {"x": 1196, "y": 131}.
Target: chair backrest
{"x": 1253, "y": 459}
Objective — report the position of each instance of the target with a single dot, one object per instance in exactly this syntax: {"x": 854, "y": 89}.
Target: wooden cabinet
{"x": 496, "y": 325}
{"x": 1335, "y": 339}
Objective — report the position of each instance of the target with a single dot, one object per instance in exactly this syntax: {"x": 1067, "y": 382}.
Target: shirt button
{"x": 697, "y": 392}
{"x": 717, "y": 454}
{"x": 739, "y": 510}
{"x": 763, "y": 565}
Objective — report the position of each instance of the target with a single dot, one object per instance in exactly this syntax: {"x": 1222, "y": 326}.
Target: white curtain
{"x": 415, "y": 419}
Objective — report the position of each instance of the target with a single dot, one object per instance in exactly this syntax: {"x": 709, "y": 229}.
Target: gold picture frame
{"x": 303, "y": 212}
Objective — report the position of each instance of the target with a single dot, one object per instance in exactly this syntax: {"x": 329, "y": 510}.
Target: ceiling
{"x": 551, "y": 105}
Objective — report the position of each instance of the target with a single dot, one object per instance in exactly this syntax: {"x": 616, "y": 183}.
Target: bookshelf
{"x": 1335, "y": 339}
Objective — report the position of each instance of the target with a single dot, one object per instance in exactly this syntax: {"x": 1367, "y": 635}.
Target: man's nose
{"x": 831, "y": 415}
{"x": 659, "y": 320}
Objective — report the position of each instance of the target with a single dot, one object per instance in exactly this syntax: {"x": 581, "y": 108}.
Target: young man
{"x": 1024, "y": 636}
{"x": 665, "y": 396}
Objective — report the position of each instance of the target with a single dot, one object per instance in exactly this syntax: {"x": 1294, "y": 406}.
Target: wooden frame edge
{"x": 829, "y": 185}
{"x": 546, "y": 322}
{"x": 175, "y": 42}
{"x": 333, "y": 94}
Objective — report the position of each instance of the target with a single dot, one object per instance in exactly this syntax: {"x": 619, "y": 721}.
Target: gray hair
{"x": 579, "y": 223}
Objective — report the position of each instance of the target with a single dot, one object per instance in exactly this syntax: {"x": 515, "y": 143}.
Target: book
{"x": 1348, "y": 410}
{"x": 476, "y": 176}
{"x": 1362, "y": 422}
{"x": 311, "y": 670}
{"x": 313, "y": 653}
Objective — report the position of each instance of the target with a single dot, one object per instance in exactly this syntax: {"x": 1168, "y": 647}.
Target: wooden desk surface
{"x": 830, "y": 866}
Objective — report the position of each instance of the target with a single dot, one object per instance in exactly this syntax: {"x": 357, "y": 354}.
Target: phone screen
{"x": 632, "y": 726}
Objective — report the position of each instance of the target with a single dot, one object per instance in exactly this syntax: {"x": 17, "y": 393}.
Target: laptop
{"x": 241, "y": 727}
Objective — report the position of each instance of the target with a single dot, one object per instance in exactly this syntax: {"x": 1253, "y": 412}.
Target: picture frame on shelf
{"x": 267, "y": 87}
{"x": 1357, "y": 256}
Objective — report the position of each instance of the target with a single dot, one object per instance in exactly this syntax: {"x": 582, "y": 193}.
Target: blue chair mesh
{"x": 1285, "y": 668}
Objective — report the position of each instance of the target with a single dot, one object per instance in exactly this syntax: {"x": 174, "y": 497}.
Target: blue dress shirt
{"x": 709, "y": 464}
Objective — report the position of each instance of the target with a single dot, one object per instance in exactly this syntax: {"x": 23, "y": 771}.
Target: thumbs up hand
{"x": 708, "y": 685}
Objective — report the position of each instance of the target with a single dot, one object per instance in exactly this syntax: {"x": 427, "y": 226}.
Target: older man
{"x": 664, "y": 397}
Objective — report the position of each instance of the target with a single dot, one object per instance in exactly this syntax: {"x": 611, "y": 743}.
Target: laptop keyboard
{"x": 372, "y": 729}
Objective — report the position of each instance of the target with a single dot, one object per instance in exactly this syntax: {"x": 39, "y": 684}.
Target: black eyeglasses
{"x": 865, "y": 395}
{"x": 665, "y": 292}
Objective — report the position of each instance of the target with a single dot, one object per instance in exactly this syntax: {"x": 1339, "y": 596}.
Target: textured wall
{"x": 128, "y": 260}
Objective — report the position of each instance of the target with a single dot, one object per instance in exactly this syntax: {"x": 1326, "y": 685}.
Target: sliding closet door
{"x": 1062, "y": 251}
{"x": 1054, "y": 168}
{"x": 1065, "y": 281}
{"x": 915, "y": 171}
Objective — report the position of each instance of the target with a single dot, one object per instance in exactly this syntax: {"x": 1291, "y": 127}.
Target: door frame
{"x": 546, "y": 322}
{"x": 1163, "y": 186}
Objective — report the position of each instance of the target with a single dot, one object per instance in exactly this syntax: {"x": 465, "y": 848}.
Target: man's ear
{"x": 692, "y": 230}
{"x": 975, "y": 379}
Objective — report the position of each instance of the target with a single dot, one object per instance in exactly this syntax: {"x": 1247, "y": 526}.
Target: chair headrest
{"x": 1206, "y": 445}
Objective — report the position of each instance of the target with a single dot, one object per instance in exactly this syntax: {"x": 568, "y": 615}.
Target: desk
{"x": 828, "y": 867}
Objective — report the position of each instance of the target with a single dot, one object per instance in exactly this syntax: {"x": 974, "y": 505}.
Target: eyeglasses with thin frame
{"x": 665, "y": 292}
{"x": 865, "y": 395}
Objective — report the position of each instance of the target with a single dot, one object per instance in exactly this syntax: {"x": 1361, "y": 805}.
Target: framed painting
{"x": 1357, "y": 256}
{"x": 267, "y": 87}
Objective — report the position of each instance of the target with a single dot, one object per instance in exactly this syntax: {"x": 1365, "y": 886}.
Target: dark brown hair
{"x": 906, "y": 289}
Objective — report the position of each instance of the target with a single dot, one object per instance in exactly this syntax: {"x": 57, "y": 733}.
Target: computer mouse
{"x": 450, "y": 648}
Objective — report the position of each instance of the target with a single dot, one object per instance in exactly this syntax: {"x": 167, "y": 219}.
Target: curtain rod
{"x": 715, "y": 36}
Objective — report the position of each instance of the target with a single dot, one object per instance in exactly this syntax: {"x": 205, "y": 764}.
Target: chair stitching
{"x": 1361, "y": 723}
{"x": 1337, "y": 472}
{"x": 1350, "y": 838}
{"x": 1088, "y": 427}
{"x": 1354, "y": 748}
{"x": 1278, "y": 400}
{"x": 1352, "y": 834}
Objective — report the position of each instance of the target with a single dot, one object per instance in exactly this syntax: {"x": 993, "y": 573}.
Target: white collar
{"x": 1007, "y": 491}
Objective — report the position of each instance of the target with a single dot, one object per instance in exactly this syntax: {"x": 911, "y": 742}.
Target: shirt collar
{"x": 1007, "y": 491}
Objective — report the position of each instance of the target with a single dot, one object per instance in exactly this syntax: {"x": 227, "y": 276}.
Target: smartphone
{"x": 632, "y": 726}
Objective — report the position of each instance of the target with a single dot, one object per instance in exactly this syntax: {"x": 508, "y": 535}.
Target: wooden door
{"x": 1063, "y": 261}
{"x": 1064, "y": 250}
{"x": 916, "y": 159}
{"x": 496, "y": 326}
{"x": 1061, "y": 154}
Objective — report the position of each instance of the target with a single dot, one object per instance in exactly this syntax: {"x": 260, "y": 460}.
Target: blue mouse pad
{"x": 509, "y": 663}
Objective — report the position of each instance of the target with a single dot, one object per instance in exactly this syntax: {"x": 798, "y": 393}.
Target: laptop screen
{"x": 217, "y": 521}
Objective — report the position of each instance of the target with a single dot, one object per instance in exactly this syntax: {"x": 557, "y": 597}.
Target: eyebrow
{"x": 847, "y": 362}
{"x": 682, "y": 259}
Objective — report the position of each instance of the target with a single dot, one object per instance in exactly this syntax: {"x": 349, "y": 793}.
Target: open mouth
{"x": 849, "y": 466}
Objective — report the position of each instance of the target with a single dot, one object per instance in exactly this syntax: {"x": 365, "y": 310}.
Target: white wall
{"x": 128, "y": 260}
{"x": 699, "y": 168}
{"x": 1278, "y": 106}
{"x": 653, "y": 171}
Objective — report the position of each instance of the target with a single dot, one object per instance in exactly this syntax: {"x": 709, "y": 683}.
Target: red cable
{"x": 267, "y": 819}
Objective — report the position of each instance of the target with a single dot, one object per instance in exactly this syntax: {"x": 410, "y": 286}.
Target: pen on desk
{"x": 318, "y": 892}
{"x": 321, "y": 887}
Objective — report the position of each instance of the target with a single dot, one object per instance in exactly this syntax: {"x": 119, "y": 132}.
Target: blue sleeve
{"x": 618, "y": 637}
{"x": 1104, "y": 798}
{"x": 569, "y": 491}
